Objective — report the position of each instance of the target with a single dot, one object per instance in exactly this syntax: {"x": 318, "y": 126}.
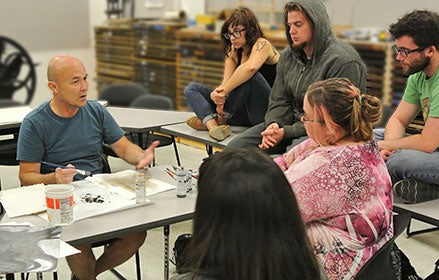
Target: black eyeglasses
{"x": 404, "y": 53}
{"x": 236, "y": 34}
{"x": 305, "y": 118}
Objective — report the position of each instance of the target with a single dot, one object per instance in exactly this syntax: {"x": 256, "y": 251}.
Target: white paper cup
{"x": 59, "y": 202}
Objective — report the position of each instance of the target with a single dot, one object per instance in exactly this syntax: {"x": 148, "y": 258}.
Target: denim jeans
{"x": 404, "y": 164}
{"x": 245, "y": 105}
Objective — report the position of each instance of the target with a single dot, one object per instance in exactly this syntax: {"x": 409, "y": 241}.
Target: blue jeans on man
{"x": 405, "y": 164}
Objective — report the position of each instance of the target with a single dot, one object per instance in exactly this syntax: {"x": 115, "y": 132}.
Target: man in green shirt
{"x": 413, "y": 160}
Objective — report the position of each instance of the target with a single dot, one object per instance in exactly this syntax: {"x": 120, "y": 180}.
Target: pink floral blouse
{"x": 344, "y": 195}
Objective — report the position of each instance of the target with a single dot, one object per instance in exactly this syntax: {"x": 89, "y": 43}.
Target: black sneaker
{"x": 414, "y": 191}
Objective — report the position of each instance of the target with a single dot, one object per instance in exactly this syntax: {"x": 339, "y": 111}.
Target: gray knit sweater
{"x": 332, "y": 57}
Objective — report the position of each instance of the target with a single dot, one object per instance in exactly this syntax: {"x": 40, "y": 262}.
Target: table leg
{"x": 209, "y": 150}
{"x": 166, "y": 231}
{"x": 140, "y": 140}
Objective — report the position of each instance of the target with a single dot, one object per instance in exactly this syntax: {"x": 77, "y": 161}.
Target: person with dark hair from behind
{"x": 413, "y": 159}
{"x": 313, "y": 54}
{"x": 249, "y": 71}
{"x": 247, "y": 224}
{"x": 340, "y": 181}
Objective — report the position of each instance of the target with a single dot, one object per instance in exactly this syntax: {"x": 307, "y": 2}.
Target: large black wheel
{"x": 17, "y": 72}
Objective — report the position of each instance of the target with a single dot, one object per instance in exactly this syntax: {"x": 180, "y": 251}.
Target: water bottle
{"x": 140, "y": 188}
{"x": 181, "y": 183}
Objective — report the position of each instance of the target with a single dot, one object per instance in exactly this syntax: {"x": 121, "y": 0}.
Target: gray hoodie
{"x": 332, "y": 57}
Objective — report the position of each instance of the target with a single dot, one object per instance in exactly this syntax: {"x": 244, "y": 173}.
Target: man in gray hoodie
{"x": 313, "y": 54}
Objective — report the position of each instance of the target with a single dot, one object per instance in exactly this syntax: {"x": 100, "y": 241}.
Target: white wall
{"x": 97, "y": 16}
{"x": 143, "y": 11}
{"x": 371, "y": 13}
{"x": 374, "y": 13}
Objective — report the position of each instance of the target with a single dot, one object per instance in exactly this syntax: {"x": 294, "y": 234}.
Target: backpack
{"x": 180, "y": 250}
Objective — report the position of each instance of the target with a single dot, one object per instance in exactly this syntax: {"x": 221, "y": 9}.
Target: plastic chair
{"x": 8, "y": 151}
{"x": 1, "y": 206}
{"x": 120, "y": 95}
{"x": 153, "y": 101}
{"x": 8, "y": 147}
{"x": 379, "y": 266}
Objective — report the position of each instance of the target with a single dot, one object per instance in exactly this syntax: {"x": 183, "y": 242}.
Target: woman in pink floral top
{"x": 339, "y": 178}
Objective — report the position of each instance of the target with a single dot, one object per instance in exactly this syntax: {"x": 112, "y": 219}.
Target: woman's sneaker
{"x": 414, "y": 191}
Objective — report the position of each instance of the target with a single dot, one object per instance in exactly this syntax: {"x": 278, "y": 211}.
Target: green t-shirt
{"x": 424, "y": 93}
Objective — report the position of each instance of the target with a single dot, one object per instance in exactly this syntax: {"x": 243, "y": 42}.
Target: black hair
{"x": 247, "y": 224}
{"x": 421, "y": 25}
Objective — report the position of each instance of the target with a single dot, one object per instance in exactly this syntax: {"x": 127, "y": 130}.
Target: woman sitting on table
{"x": 339, "y": 178}
{"x": 249, "y": 72}
{"x": 247, "y": 223}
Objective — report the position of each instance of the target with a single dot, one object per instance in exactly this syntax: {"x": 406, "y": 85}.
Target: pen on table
{"x": 177, "y": 168}
{"x": 170, "y": 173}
{"x": 169, "y": 170}
{"x": 80, "y": 171}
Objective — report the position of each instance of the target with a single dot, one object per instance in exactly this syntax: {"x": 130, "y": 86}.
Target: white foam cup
{"x": 59, "y": 202}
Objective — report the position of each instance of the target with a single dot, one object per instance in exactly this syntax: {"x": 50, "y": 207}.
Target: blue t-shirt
{"x": 76, "y": 140}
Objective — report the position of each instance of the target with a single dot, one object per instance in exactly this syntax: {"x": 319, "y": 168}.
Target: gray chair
{"x": 161, "y": 102}
{"x": 8, "y": 147}
{"x": 379, "y": 266}
{"x": 120, "y": 95}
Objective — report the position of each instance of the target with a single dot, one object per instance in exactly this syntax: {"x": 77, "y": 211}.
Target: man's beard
{"x": 416, "y": 66}
{"x": 298, "y": 47}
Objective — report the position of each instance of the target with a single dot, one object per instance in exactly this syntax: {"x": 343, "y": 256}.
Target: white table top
{"x": 166, "y": 208}
{"x": 139, "y": 120}
{"x": 425, "y": 211}
{"x": 12, "y": 117}
{"x": 183, "y": 130}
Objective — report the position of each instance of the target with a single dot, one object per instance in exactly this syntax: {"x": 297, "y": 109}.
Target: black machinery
{"x": 17, "y": 73}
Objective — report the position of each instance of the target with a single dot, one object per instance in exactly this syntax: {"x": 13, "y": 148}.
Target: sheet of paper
{"x": 99, "y": 194}
{"x": 24, "y": 201}
{"x": 123, "y": 183}
{"x": 155, "y": 186}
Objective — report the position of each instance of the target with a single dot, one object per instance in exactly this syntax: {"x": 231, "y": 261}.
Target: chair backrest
{"x": 1, "y": 206}
{"x": 8, "y": 147}
{"x": 379, "y": 266}
{"x": 105, "y": 164}
{"x": 153, "y": 101}
{"x": 122, "y": 95}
